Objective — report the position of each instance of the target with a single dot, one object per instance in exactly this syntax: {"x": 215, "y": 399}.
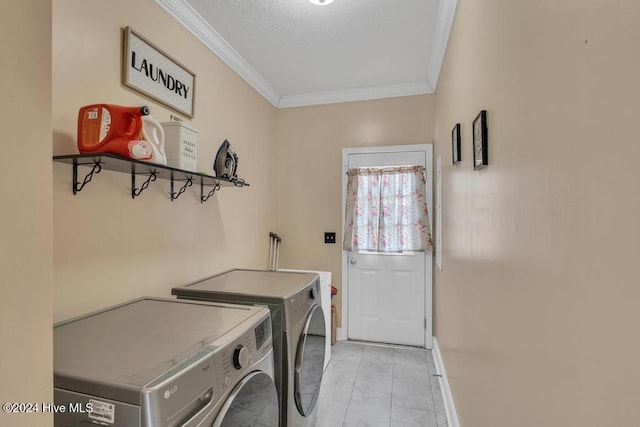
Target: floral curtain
{"x": 386, "y": 210}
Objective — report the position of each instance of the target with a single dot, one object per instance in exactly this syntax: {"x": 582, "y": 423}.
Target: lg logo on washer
{"x": 168, "y": 392}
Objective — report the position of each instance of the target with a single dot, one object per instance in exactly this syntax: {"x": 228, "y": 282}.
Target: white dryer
{"x": 162, "y": 362}
{"x": 299, "y": 333}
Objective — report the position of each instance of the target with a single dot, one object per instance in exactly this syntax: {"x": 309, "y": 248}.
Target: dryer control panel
{"x": 299, "y": 305}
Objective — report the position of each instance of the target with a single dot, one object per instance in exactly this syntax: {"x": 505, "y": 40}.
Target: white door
{"x": 388, "y": 296}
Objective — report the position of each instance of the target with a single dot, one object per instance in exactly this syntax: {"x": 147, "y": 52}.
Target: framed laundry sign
{"x": 150, "y": 71}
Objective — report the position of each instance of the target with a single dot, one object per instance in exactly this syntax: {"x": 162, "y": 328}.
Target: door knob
{"x": 353, "y": 261}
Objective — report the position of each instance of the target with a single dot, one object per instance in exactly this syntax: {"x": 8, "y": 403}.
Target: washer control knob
{"x": 240, "y": 357}
{"x": 312, "y": 293}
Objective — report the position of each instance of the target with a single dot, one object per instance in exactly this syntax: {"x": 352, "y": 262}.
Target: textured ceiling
{"x": 296, "y": 53}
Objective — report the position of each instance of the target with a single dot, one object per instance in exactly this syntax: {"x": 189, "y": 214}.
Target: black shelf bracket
{"x": 188, "y": 183}
{"x": 151, "y": 171}
{"x": 137, "y": 191}
{"x": 204, "y": 198}
{"x": 239, "y": 182}
{"x": 78, "y": 186}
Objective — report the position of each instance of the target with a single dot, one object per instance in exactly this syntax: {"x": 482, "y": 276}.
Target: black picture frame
{"x": 456, "y": 145}
{"x": 480, "y": 141}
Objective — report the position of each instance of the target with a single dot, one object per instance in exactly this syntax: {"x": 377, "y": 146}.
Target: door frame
{"x": 428, "y": 294}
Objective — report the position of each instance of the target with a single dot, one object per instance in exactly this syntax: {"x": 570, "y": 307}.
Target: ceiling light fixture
{"x": 321, "y": 2}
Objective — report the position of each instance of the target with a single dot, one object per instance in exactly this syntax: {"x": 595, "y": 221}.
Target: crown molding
{"x": 192, "y": 21}
{"x": 360, "y": 94}
{"x": 182, "y": 12}
{"x": 444, "y": 22}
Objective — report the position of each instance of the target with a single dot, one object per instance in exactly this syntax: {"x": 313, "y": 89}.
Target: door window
{"x": 386, "y": 210}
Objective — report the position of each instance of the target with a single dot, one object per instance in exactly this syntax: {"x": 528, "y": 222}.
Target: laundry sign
{"x": 150, "y": 71}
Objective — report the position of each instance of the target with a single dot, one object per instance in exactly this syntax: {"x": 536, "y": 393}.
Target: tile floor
{"x": 372, "y": 385}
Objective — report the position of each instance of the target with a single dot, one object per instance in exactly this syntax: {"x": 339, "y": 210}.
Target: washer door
{"x": 254, "y": 401}
{"x": 310, "y": 362}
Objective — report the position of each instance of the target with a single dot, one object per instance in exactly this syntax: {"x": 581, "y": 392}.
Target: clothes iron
{"x": 225, "y": 164}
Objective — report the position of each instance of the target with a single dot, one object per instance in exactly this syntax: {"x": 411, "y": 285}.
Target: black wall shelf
{"x": 152, "y": 171}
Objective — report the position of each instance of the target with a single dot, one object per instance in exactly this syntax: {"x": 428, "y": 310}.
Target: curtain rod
{"x": 380, "y": 167}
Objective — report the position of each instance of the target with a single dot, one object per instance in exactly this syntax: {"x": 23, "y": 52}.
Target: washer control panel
{"x": 262, "y": 332}
{"x": 240, "y": 357}
{"x": 237, "y": 356}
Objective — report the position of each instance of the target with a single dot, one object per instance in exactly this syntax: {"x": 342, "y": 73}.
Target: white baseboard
{"x": 452, "y": 416}
{"x": 340, "y": 336}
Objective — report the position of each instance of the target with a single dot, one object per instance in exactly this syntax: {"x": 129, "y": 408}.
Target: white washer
{"x": 299, "y": 333}
{"x": 163, "y": 362}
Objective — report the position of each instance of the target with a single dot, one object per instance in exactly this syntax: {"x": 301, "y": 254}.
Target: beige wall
{"x": 25, "y": 218}
{"x": 310, "y": 143}
{"x": 538, "y": 300}
{"x": 108, "y": 247}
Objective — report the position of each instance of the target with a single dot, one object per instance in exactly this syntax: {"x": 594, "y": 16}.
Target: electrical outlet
{"x": 329, "y": 237}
